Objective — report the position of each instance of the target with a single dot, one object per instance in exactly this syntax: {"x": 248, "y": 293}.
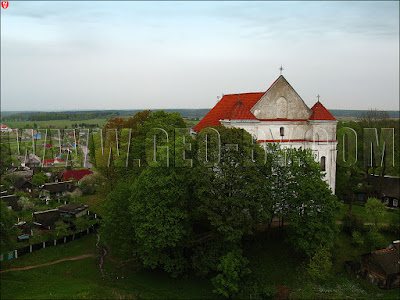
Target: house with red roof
{"x": 75, "y": 174}
{"x": 52, "y": 162}
{"x": 279, "y": 115}
{"x": 4, "y": 128}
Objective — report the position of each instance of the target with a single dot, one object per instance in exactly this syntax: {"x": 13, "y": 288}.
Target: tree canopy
{"x": 195, "y": 211}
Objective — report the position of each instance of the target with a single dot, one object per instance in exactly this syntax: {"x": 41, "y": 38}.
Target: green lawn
{"x": 361, "y": 213}
{"x": 82, "y": 279}
{"x": 67, "y": 280}
{"x": 94, "y": 201}
{"x": 84, "y": 245}
{"x": 191, "y": 123}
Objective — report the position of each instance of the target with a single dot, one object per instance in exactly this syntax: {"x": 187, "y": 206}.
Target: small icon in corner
{"x": 4, "y": 4}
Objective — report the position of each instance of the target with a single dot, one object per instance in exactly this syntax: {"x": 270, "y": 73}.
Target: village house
{"x": 46, "y": 219}
{"x": 24, "y": 185}
{"x": 11, "y": 201}
{"x": 5, "y": 129}
{"x": 382, "y": 267}
{"x": 73, "y": 210}
{"x": 58, "y": 189}
{"x": 279, "y": 115}
{"x": 386, "y": 188}
{"x": 25, "y": 172}
{"x": 53, "y": 162}
{"x": 31, "y": 160}
{"x": 75, "y": 174}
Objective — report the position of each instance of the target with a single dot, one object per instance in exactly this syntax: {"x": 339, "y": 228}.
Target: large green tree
{"x": 8, "y": 232}
{"x": 232, "y": 192}
{"x": 311, "y": 209}
{"x": 117, "y": 227}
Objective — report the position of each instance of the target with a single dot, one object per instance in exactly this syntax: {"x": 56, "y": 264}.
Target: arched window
{"x": 323, "y": 166}
{"x": 282, "y": 131}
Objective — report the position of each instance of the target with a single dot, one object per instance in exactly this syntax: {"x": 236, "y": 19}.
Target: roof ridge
{"x": 243, "y": 93}
{"x": 320, "y": 112}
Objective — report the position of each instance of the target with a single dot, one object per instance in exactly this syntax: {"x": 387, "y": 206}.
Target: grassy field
{"x": 94, "y": 201}
{"x": 84, "y": 245}
{"x": 272, "y": 260}
{"x": 58, "y": 124}
{"x": 82, "y": 279}
{"x": 361, "y": 213}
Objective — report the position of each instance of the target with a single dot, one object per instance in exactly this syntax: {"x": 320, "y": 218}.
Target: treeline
{"x": 73, "y": 116}
{"x": 346, "y": 113}
{"x": 86, "y": 115}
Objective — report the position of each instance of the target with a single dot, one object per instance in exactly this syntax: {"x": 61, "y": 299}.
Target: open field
{"x": 82, "y": 279}
{"x": 58, "y": 124}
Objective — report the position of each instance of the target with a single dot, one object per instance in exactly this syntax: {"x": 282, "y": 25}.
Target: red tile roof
{"x": 239, "y": 112}
{"x": 238, "y": 106}
{"x": 51, "y": 161}
{"x": 76, "y": 174}
{"x": 230, "y": 106}
{"x": 321, "y": 113}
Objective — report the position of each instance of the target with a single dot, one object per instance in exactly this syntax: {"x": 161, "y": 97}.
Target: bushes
{"x": 320, "y": 264}
{"x": 394, "y": 224}
{"x": 357, "y": 238}
{"x": 376, "y": 210}
{"x": 351, "y": 223}
{"x": 26, "y": 204}
{"x": 90, "y": 183}
{"x": 256, "y": 290}
{"x": 375, "y": 239}
{"x": 232, "y": 268}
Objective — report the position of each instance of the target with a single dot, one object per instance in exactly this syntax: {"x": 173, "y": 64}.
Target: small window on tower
{"x": 282, "y": 131}
{"x": 323, "y": 168}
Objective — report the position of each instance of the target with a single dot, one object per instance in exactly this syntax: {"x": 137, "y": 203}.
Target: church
{"x": 279, "y": 115}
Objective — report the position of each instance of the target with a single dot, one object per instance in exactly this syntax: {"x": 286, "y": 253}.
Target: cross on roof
{"x": 318, "y": 96}
{"x": 281, "y": 69}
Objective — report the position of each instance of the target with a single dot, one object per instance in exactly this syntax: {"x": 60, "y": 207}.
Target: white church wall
{"x": 318, "y": 136}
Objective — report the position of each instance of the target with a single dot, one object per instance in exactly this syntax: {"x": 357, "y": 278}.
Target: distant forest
{"x": 87, "y": 115}
{"x": 109, "y": 114}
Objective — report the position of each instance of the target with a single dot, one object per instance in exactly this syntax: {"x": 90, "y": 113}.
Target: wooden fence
{"x": 65, "y": 239}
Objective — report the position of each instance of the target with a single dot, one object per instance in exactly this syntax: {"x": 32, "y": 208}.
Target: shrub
{"x": 357, "y": 238}
{"x": 320, "y": 264}
{"x": 376, "y": 210}
{"x": 351, "y": 223}
{"x": 254, "y": 289}
{"x": 232, "y": 270}
{"x": 89, "y": 183}
{"x": 26, "y": 204}
{"x": 394, "y": 223}
{"x": 39, "y": 179}
{"x": 268, "y": 292}
{"x": 375, "y": 239}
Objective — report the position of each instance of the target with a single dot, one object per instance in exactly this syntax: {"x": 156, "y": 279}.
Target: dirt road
{"x": 52, "y": 263}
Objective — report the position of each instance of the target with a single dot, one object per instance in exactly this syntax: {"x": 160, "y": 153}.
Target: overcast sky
{"x": 138, "y": 55}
